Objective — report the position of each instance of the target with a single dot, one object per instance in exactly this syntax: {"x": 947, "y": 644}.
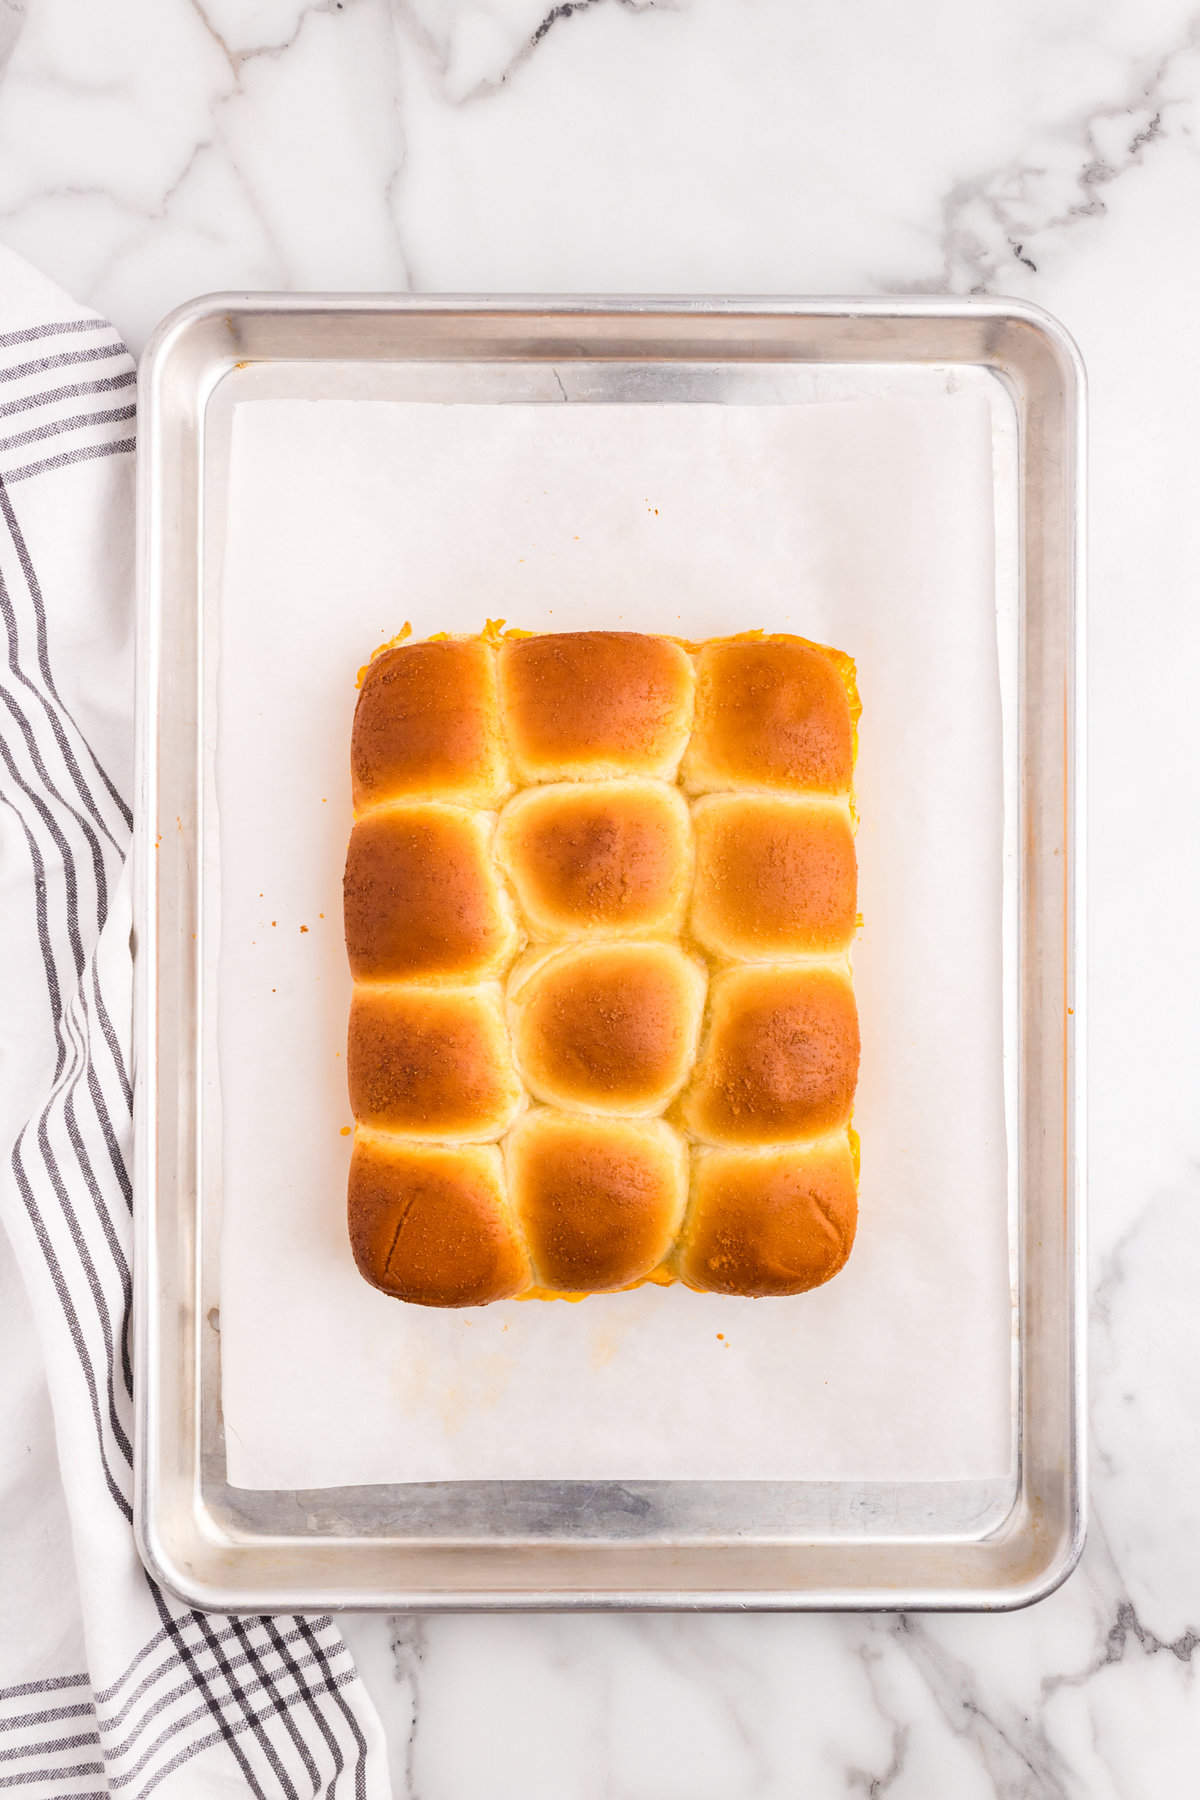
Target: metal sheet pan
{"x": 776, "y": 1545}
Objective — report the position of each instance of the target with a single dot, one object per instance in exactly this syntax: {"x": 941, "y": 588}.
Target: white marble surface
{"x": 151, "y": 149}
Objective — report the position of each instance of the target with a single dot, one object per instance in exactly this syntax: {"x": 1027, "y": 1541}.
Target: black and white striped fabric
{"x": 107, "y": 1687}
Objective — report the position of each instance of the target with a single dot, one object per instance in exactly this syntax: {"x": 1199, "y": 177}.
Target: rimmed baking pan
{"x": 645, "y": 1543}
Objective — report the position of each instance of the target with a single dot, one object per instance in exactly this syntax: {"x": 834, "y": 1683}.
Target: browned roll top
{"x": 600, "y": 1201}
{"x": 770, "y": 1221}
{"x": 432, "y": 1224}
{"x": 781, "y": 1061}
{"x": 579, "y": 703}
{"x": 771, "y": 712}
{"x": 421, "y": 897}
{"x": 427, "y": 723}
{"x": 608, "y": 858}
{"x": 610, "y": 1027}
{"x": 775, "y": 877}
{"x": 599, "y": 900}
{"x": 431, "y": 1062}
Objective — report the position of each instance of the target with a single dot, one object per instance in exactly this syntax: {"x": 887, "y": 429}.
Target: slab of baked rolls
{"x": 599, "y": 902}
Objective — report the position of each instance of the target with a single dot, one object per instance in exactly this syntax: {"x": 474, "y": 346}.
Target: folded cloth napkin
{"x": 107, "y": 1686}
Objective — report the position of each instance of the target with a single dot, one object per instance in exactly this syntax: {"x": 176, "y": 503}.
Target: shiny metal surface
{"x": 602, "y": 1545}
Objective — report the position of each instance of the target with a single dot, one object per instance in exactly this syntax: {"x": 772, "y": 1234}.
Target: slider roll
{"x": 600, "y": 1201}
{"x": 432, "y": 1224}
{"x": 770, "y": 1222}
{"x": 578, "y": 705}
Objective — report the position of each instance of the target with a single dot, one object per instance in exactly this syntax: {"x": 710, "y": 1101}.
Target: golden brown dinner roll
{"x": 772, "y": 712}
{"x": 603, "y": 857}
{"x": 581, "y": 704}
{"x": 431, "y": 1062}
{"x": 599, "y": 1200}
{"x": 775, "y": 876}
{"x": 607, "y": 1027}
{"x": 781, "y": 1060}
{"x": 422, "y": 898}
{"x": 432, "y": 1224}
{"x": 769, "y": 1221}
{"x": 427, "y": 726}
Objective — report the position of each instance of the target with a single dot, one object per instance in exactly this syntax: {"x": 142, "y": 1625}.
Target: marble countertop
{"x": 154, "y": 149}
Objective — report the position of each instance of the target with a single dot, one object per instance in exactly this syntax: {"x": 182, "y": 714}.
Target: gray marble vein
{"x": 993, "y": 225}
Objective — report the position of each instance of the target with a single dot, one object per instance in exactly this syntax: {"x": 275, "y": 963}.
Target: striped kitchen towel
{"x": 107, "y": 1686}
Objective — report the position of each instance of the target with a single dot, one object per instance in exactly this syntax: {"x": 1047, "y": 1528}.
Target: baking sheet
{"x": 866, "y": 523}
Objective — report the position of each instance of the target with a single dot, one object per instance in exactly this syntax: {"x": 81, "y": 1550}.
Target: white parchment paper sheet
{"x": 867, "y": 524}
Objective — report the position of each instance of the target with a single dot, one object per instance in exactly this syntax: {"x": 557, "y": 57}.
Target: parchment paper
{"x": 867, "y": 524}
